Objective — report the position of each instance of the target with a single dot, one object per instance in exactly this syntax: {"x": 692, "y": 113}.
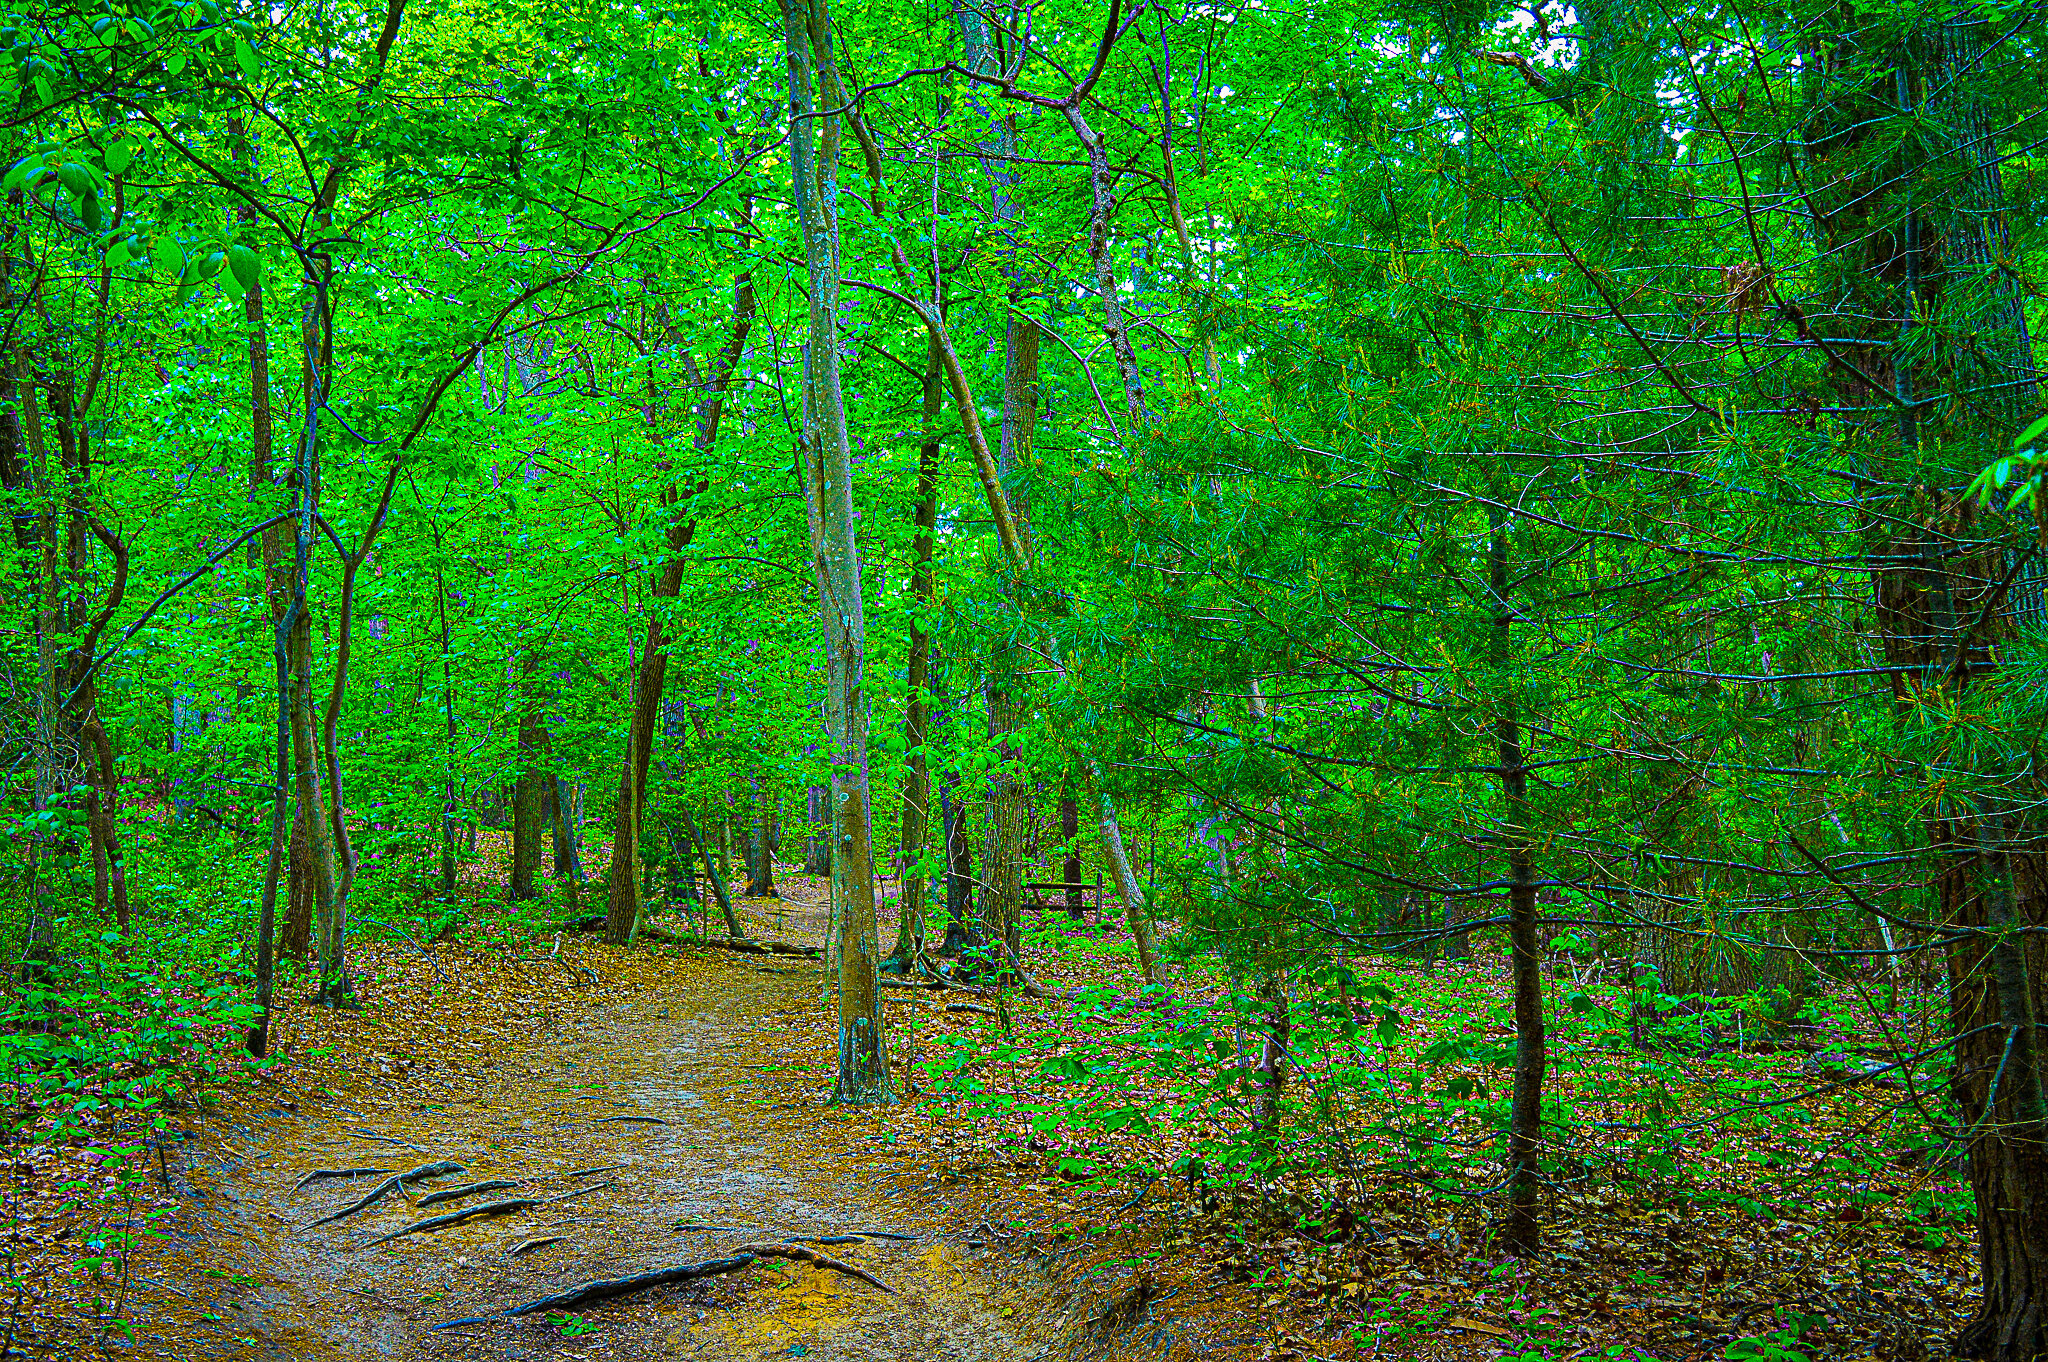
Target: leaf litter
{"x": 467, "y": 1058}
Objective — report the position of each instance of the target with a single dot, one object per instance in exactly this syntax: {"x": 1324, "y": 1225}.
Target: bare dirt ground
{"x": 522, "y": 1074}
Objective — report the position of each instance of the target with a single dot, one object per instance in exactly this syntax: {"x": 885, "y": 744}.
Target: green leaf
{"x": 245, "y": 265}
{"x": 245, "y": 57}
{"x": 117, "y": 158}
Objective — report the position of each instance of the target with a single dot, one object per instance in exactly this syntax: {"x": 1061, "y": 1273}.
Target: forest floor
{"x": 528, "y": 1063}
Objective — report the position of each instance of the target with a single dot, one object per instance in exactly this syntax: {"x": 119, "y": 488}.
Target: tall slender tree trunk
{"x": 960, "y": 932}
{"x": 813, "y": 142}
{"x": 534, "y": 790}
{"x": 1128, "y": 888}
{"x": 1070, "y": 864}
{"x": 1522, "y": 1232}
{"x": 917, "y": 776}
{"x": 622, "y": 907}
{"x": 817, "y": 829}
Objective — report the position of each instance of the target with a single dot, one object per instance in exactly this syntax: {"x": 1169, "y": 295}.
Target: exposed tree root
{"x": 607, "y": 1289}
{"x": 387, "y": 1139}
{"x": 586, "y": 1172}
{"x": 571, "y": 1196}
{"x": 319, "y": 1173}
{"x": 815, "y": 1259}
{"x": 524, "y": 1203}
{"x": 425, "y": 1170}
{"x": 540, "y": 1241}
{"x": 471, "y": 1189}
{"x": 610, "y": 1288}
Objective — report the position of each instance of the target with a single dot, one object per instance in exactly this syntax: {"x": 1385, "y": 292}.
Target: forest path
{"x": 726, "y": 1052}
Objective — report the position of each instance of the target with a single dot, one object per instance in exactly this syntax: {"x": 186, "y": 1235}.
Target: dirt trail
{"x": 708, "y": 1053}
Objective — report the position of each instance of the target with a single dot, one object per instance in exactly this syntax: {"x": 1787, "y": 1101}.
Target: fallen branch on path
{"x": 524, "y": 1203}
{"x": 471, "y": 1189}
{"x": 650, "y": 1120}
{"x": 319, "y": 1173}
{"x": 975, "y": 1008}
{"x": 425, "y": 1170}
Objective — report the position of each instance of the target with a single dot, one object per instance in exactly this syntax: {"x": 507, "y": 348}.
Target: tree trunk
{"x": 530, "y": 798}
{"x": 732, "y": 921}
{"x": 764, "y": 834}
{"x": 917, "y": 776}
{"x": 622, "y": 905}
{"x": 295, "y": 941}
{"x": 863, "y": 1067}
{"x": 1070, "y": 865}
{"x": 1126, "y": 878}
{"x": 1002, "y": 869}
{"x": 568, "y": 858}
{"x": 328, "y": 934}
{"x": 817, "y": 830}
{"x": 1522, "y": 1232}
{"x": 107, "y": 802}
{"x": 1907, "y": 228}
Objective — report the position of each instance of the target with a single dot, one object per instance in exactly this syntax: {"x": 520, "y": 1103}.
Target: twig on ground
{"x": 470, "y": 1189}
{"x": 524, "y": 1203}
{"x": 647, "y": 1120}
{"x": 425, "y": 1170}
{"x": 586, "y": 1172}
{"x": 319, "y": 1173}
